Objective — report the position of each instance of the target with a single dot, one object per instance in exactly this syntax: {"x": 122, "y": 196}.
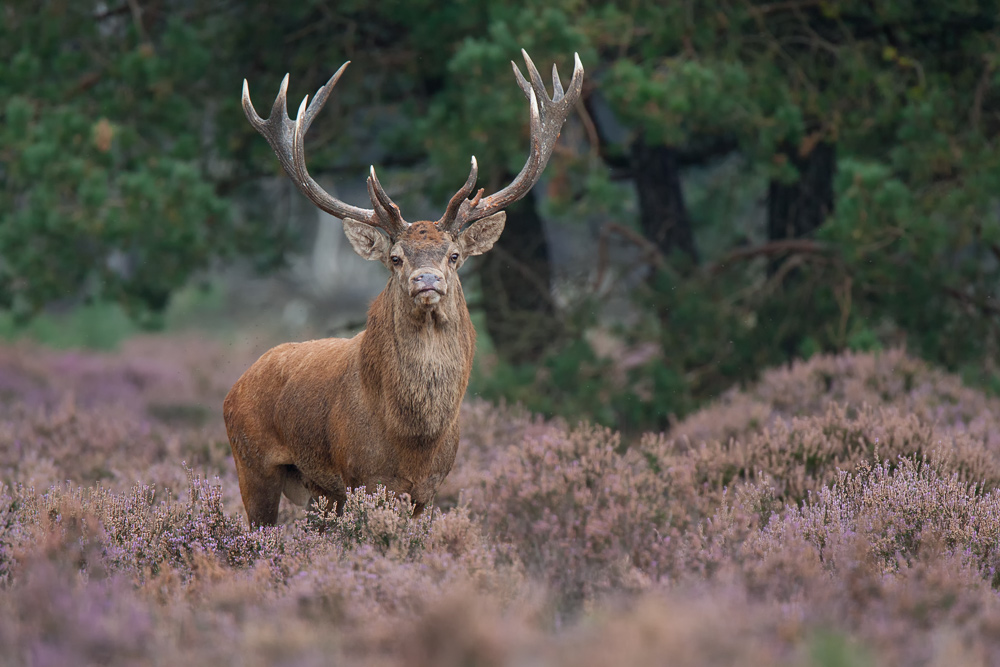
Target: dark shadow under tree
{"x": 516, "y": 285}
{"x": 663, "y": 214}
{"x": 797, "y": 209}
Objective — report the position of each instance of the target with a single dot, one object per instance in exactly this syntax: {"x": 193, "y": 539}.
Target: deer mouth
{"x": 427, "y": 296}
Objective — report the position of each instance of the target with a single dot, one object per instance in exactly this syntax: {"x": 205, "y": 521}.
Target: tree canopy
{"x": 850, "y": 147}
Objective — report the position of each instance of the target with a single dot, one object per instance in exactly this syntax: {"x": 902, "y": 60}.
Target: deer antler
{"x": 287, "y": 138}
{"x": 547, "y": 116}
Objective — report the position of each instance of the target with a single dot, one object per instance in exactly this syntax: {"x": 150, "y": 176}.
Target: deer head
{"x": 422, "y": 256}
{"x": 424, "y": 260}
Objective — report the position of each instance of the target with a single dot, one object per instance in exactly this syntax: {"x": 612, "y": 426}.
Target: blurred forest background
{"x": 744, "y": 183}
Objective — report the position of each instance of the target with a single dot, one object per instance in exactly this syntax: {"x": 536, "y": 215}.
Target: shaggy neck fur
{"x": 415, "y": 362}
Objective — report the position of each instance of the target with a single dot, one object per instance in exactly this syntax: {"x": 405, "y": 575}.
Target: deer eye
{"x": 454, "y": 257}
{"x": 396, "y": 260}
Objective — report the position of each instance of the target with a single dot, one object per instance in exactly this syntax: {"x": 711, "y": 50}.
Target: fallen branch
{"x": 789, "y": 5}
{"x": 785, "y": 246}
{"x": 114, "y": 11}
{"x": 85, "y": 83}
{"x": 590, "y": 129}
{"x": 652, "y": 254}
{"x": 984, "y": 307}
{"x": 540, "y": 284}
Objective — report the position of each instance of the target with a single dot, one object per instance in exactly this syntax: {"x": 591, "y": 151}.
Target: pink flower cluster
{"x": 843, "y": 510}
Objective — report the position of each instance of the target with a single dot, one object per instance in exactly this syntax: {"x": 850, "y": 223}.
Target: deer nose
{"x": 426, "y": 280}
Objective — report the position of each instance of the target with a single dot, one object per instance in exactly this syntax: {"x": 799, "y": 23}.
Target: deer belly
{"x": 296, "y": 491}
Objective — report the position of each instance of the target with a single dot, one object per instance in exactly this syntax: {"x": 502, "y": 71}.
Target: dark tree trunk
{"x": 655, "y": 170}
{"x": 797, "y": 209}
{"x": 516, "y": 280}
{"x": 662, "y": 211}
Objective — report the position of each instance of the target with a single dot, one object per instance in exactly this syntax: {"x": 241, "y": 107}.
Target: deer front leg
{"x": 261, "y": 492}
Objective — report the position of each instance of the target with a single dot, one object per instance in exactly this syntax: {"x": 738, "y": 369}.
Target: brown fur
{"x": 319, "y": 417}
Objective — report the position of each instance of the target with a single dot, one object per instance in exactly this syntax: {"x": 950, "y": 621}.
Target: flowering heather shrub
{"x": 379, "y": 519}
{"x": 582, "y": 514}
{"x": 118, "y": 419}
{"x": 487, "y": 431}
{"x": 86, "y": 443}
{"x": 853, "y": 380}
{"x": 147, "y": 371}
{"x": 141, "y": 535}
{"x": 463, "y": 628}
{"x": 9, "y": 507}
{"x": 38, "y": 377}
{"x": 842, "y": 511}
{"x": 178, "y": 553}
{"x": 713, "y": 626}
{"x": 904, "y": 513}
{"x": 894, "y": 554}
{"x": 204, "y": 526}
{"x": 804, "y": 454}
{"x": 61, "y": 607}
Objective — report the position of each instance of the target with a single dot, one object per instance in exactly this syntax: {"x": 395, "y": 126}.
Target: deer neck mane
{"x": 418, "y": 361}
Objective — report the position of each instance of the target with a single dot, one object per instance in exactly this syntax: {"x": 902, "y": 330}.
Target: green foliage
{"x": 104, "y": 325}
{"x": 105, "y": 151}
{"x": 99, "y": 326}
{"x": 684, "y": 98}
{"x": 906, "y": 94}
{"x": 122, "y": 141}
{"x": 571, "y": 383}
{"x": 481, "y": 111}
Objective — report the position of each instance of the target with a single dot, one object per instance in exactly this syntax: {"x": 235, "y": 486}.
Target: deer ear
{"x": 482, "y": 234}
{"x": 366, "y": 240}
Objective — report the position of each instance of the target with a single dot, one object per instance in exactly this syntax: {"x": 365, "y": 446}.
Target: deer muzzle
{"x": 427, "y": 286}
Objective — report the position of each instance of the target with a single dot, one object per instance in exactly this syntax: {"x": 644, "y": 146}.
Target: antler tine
{"x": 450, "y": 217}
{"x": 536, "y": 79}
{"x": 380, "y": 211}
{"x": 546, "y": 117}
{"x": 287, "y": 139}
{"x": 385, "y": 206}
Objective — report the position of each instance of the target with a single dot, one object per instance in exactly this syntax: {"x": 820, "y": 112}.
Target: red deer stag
{"x": 316, "y": 418}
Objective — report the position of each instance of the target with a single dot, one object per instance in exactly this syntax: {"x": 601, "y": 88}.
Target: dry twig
{"x": 651, "y": 253}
